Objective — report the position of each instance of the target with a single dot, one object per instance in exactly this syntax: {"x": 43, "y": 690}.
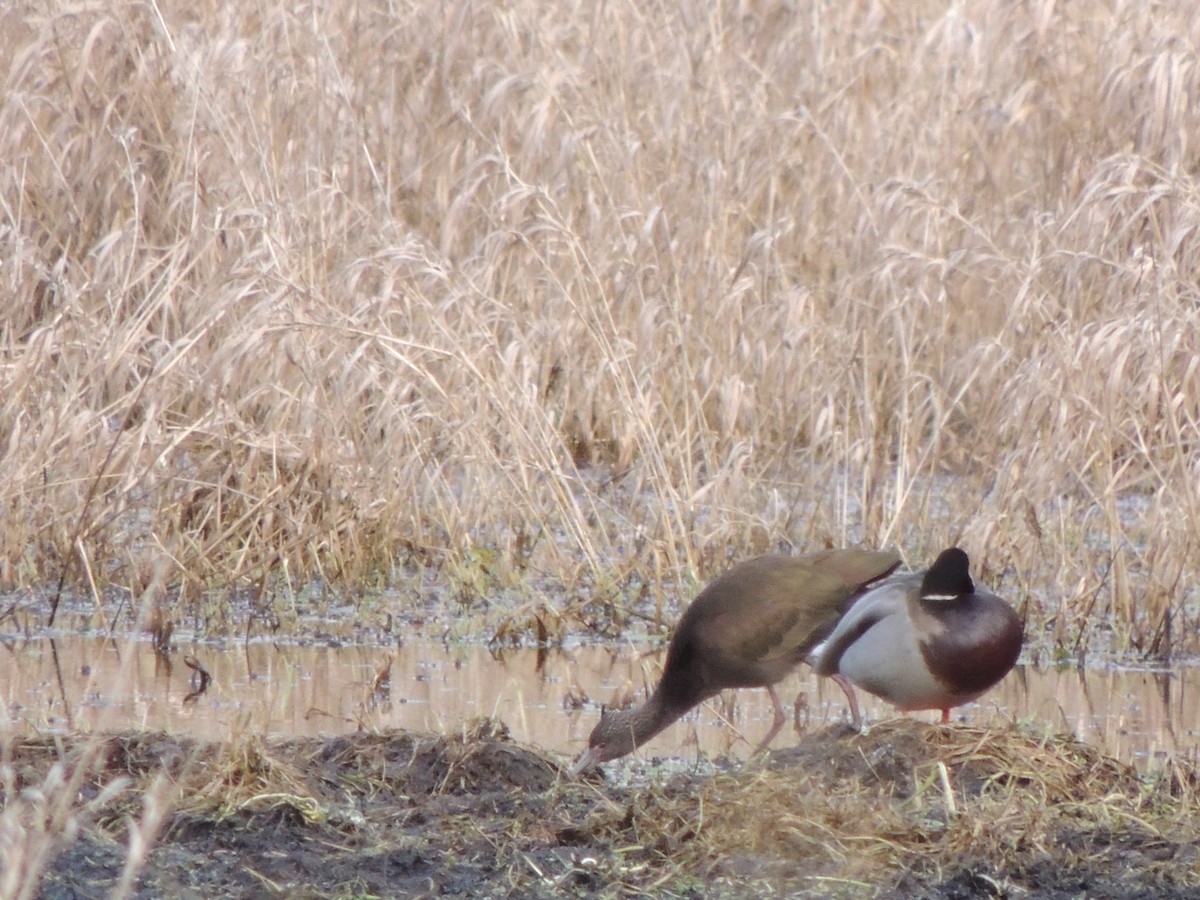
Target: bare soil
{"x": 406, "y": 815}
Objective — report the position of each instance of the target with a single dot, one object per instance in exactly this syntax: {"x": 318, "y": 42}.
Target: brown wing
{"x": 771, "y": 610}
{"x": 857, "y": 568}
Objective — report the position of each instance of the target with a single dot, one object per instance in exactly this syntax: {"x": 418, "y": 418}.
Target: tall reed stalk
{"x": 588, "y": 299}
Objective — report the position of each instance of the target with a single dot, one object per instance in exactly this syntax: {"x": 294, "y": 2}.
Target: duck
{"x": 925, "y": 640}
{"x": 749, "y": 627}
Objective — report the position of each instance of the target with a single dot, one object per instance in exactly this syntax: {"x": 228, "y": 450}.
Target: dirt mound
{"x": 905, "y": 810}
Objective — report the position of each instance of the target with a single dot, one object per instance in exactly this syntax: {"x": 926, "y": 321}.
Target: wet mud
{"x": 906, "y": 810}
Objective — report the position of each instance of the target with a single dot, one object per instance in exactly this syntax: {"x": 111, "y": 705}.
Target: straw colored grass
{"x": 917, "y": 810}
{"x": 590, "y": 299}
{"x": 907, "y": 809}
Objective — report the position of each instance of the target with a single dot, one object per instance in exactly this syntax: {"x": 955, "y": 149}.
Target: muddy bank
{"x": 407, "y": 815}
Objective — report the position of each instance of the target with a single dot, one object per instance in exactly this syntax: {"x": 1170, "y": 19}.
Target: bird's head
{"x": 611, "y": 738}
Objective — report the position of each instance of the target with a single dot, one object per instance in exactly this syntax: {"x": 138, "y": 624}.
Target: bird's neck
{"x": 645, "y": 721}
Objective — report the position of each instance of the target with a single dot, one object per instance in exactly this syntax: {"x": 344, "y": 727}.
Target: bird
{"x": 925, "y": 640}
{"x": 749, "y": 627}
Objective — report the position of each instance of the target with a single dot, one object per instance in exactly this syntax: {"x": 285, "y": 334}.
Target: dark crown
{"x": 948, "y": 577}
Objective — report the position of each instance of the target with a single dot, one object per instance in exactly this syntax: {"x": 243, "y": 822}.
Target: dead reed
{"x": 591, "y": 298}
{"x": 906, "y": 809}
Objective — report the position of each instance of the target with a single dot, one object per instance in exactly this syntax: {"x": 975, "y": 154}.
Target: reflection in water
{"x": 77, "y": 683}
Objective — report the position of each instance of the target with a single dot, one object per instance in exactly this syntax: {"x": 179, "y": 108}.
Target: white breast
{"x": 886, "y": 660}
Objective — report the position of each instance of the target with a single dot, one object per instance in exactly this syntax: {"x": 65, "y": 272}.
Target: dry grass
{"x": 594, "y": 298}
{"x": 905, "y": 810}
{"x": 919, "y": 809}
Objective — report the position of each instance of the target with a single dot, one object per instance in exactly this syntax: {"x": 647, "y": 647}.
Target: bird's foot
{"x": 847, "y": 728}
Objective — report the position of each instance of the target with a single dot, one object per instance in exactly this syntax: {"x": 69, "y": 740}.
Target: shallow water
{"x": 92, "y": 684}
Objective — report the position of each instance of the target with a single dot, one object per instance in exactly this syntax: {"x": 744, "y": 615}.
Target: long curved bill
{"x": 588, "y": 759}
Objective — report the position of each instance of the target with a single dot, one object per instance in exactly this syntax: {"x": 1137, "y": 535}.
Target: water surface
{"x": 548, "y": 698}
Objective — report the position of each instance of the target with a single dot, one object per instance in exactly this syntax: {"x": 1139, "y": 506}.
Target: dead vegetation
{"x": 904, "y": 810}
{"x": 598, "y": 297}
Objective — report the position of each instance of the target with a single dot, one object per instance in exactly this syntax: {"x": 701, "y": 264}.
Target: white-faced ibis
{"x": 749, "y": 627}
{"x": 926, "y": 640}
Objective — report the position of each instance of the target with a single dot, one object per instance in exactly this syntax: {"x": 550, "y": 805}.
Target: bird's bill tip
{"x": 589, "y": 759}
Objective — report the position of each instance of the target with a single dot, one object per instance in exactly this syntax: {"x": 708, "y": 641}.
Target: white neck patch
{"x": 940, "y": 597}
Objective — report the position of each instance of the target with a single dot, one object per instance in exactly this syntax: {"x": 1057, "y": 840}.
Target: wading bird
{"x": 749, "y": 627}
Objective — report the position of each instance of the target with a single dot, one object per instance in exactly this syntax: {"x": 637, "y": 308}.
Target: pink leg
{"x": 946, "y": 716}
{"x": 780, "y": 718}
{"x": 848, "y": 690}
